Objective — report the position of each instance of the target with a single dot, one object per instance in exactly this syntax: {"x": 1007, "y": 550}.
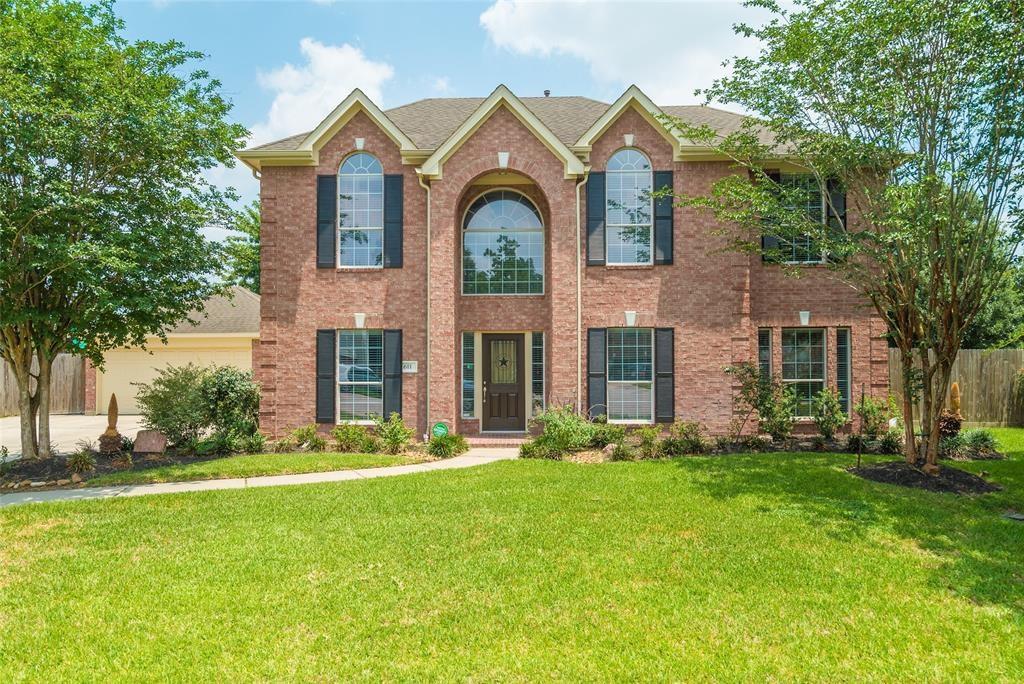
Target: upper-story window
{"x": 628, "y": 208}
{"x": 361, "y": 212}
{"x": 502, "y": 245}
{"x": 803, "y": 249}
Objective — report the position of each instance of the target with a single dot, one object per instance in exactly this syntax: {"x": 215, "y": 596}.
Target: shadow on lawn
{"x": 979, "y": 549}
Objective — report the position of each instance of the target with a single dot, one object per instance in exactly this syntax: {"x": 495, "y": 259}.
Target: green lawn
{"x": 252, "y": 465}
{"x": 736, "y": 568}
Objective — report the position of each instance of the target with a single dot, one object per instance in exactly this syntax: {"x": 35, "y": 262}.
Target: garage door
{"x": 127, "y": 366}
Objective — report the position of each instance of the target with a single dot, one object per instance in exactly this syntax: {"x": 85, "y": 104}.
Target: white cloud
{"x": 442, "y": 85}
{"x": 668, "y": 49}
{"x": 305, "y": 94}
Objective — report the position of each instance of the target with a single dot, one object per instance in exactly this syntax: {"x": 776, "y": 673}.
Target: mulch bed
{"x": 950, "y": 480}
{"x": 54, "y": 469}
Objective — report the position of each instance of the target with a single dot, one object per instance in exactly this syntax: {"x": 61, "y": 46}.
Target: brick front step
{"x": 498, "y": 440}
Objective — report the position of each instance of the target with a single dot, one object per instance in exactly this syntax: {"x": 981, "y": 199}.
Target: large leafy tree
{"x": 242, "y": 249}
{"x": 103, "y": 145}
{"x": 916, "y": 108}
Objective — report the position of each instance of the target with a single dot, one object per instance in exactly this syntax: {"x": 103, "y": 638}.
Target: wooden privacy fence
{"x": 67, "y": 390}
{"x": 987, "y": 385}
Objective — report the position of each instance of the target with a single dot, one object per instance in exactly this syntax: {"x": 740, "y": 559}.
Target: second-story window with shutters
{"x": 361, "y": 212}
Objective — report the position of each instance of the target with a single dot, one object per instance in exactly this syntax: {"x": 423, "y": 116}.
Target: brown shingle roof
{"x": 431, "y": 121}
{"x": 239, "y": 313}
{"x": 723, "y": 121}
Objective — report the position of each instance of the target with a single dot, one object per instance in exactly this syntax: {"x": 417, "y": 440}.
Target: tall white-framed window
{"x": 630, "y": 373}
{"x": 803, "y": 249}
{"x": 360, "y": 375}
{"x": 361, "y": 212}
{"x": 502, "y": 245}
{"x": 629, "y": 208}
{"x": 803, "y": 365}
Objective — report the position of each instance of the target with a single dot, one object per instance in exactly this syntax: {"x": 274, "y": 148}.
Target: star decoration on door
{"x": 503, "y": 362}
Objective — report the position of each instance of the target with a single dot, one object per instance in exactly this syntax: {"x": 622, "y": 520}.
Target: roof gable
{"x": 502, "y": 97}
{"x": 636, "y": 99}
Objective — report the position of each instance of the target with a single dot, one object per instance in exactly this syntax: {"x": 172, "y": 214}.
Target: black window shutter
{"x": 663, "y": 227}
{"x": 664, "y": 375}
{"x": 770, "y": 243}
{"x": 326, "y": 221}
{"x": 326, "y": 385}
{"x": 843, "y": 368}
{"x": 393, "y": 221}
{"x": 595, "y": 218}
{"x": 392, "y": 372}
{"x": 597, "y": 379}
{"x": 836, "y": 212}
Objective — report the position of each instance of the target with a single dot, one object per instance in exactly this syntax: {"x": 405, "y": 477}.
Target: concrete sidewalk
{"x": 474, "y": 457}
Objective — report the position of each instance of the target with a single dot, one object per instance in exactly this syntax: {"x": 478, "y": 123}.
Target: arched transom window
{"x": 361, "y": 212}
{"x": 502, "y": 245}
{"x": 629, "y": 208}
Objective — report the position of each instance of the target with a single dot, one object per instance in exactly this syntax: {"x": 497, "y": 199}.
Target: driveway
{"x": 66, "y": 431}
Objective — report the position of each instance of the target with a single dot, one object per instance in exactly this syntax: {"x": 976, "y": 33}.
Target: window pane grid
{"x": 361, "y": 211}
{"x": 628, "y": 208}
{"x": 360, "y": 374}
{"x": 503, "y": 246}
{"x": 803, "y": 249}
{"x": 538, "y": 372}
{"x": 630, "y": 371}
{"x": 803, "y": 366}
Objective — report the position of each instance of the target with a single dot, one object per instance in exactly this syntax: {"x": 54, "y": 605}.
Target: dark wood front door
{"x": 504, "y": 383}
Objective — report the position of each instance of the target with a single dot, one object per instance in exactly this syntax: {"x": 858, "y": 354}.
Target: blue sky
{"x": 285, "y": 65}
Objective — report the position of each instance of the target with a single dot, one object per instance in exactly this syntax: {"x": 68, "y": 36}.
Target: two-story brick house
{"x": 471, "y": 260}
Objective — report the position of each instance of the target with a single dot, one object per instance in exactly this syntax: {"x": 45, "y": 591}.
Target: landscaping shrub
{"x": 231, "y": 400}
{"x": 189, "y": 402}
{"x": 685, "y": 437}
{"x": 828, "y": 413}
{"x": 538, "y": 448}
{"x": 818, "y": 442}
{"x": 82, "y": 459}
{"x": 172, "y": 404}
{"x": 772, "y": 400}
{"x": 218, "y": 444}
{"x": 648, "y": 441}
{"x": 565, "y": 430}
{"x": 856, "y": 442}
{"x": 255, "y": 443}
{"x": 979, "y": 442}
{"x": 949, "y": 424}
{"x": 891, "y": 442}
{"x": 127, "y": 444}
{"x": 352, "y": 438}
{"x": 605, "y": 434}
{"x": 394, "y": 434}
{"x": 448, "y": 445}
{"x": 953, "y": 447}
{"x": 874, "y": 416}
{"x": 305, "y": 438}
{"x": 622, "y": 452}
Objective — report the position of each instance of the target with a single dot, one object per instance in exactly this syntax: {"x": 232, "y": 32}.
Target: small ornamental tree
{"x": 242, "y": 249}
{"x": 103, "y": 145}
{"x": 909, "y": 117}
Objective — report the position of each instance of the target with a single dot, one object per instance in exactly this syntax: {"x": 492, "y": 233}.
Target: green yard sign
{"x": 439, "y": 430}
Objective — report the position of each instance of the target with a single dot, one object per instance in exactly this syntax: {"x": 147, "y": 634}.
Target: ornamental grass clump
{"x": 565, "y": 430}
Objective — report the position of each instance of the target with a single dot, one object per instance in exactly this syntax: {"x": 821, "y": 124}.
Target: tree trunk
{"x": 943, "y": 375}
{"x": 909, "y": 440}
{"x": 28, "y": 429}
{"x": 43, "y": 403}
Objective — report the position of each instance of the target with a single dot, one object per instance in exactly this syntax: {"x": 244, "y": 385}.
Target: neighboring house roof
{"x": 428, "y": 124}
{"x": 236, "y": 313}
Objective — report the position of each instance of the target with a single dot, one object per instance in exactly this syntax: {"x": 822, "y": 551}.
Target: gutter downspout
{"x": 426, "y": 365}
{"x": 579, "y": 299}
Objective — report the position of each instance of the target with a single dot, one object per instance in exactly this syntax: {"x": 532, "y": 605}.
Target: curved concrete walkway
{"x": 472, "y": 458}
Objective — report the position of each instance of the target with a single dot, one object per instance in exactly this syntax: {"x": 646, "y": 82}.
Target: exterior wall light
{"x": 503, "y": 160}
{"x": 360, "y": 142}
{"x": 630, "y": 318}
{"x": 805, "y": 318}
{"x": 360, "y": 320}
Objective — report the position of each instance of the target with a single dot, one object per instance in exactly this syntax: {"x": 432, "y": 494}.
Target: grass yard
{"x": 252, "y": 465}
{"x": 736, "y": 568}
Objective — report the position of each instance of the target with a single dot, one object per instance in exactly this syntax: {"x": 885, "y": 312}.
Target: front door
{"x": 504, "y": 383}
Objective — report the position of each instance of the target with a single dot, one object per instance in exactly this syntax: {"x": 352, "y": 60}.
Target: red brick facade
{"x": 714, "y": 299}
